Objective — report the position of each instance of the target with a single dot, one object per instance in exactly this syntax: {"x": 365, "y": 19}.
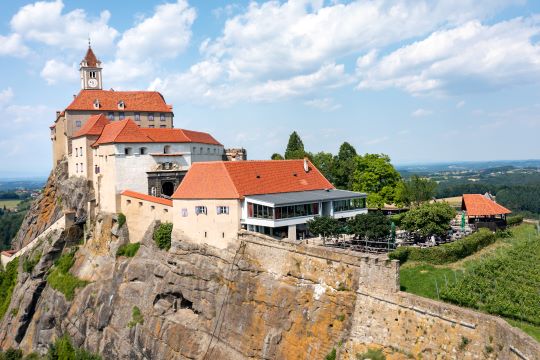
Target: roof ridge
{"x": 230, "y": 179}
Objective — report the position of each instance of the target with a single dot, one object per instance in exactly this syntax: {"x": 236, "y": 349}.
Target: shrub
{"x": 136, "y": 317}
{"x": 514, "y": 220}
{"x": 331, "y": 355}
{"x": 162, "y": 236}
{"x": 30, "y": 263}
{"x": 371, "y": 354}
{"x": 373, "y": 225}
{"x": 397, "y": 219}
{"x": 121, "y": 220}
{"x": 445, "y": 253}
{"x": 8, "y": 279}
{"x": 60, "y": 279}
{"x": 11, "y": 354}
{"x": 63, "y": 349}
{"x": 128, "y": 250}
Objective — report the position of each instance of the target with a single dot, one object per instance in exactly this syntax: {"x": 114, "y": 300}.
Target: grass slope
{"x": 503, "y": 279}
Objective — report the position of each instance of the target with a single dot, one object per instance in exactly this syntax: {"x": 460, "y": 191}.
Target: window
{"x": 140, "y": 203}
{"x": 128, "y": 151}
{"x": 201, "y": 150}
{"x": 162, "y": 117}
{"x": 167, "y": 149}
{"x": 110, "y": 116}
{"x": 153, "y": 191}
{"x": 142, "y": 151}
{"x": 151, "y": 126}
{"x": 163, "y": 126}
{"x": 350, "y": 204}
{"x": 92, "y": 74}
{"x": 78, "y": 123}
{"x": 150, "y": 117}
{"x": 222, "y": 210}
{"x": 121, "y": 105}
{"x": 208, "y": 150}
{"x": 201, "y": 210}
{"x": 76, "y": 167}
{"x": 184, "y": 212}
{"x": 137, "y": 116}
{"x": 76, "y": 152}
{"x": 194, "y": 149}
{"x": 152, "y": 207}
{"x": 96, "y": 104}
{"x": 128, "y": 201}
{"x": 121, "y": 115}
{"x": 96, "y": 169}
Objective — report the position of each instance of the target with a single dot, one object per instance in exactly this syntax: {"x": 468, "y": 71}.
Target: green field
{"x": 502, "y": 279}
{"x": 9, "y": 204}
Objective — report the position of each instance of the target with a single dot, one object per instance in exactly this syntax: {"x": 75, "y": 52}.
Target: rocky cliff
{"x": 59, "y": 194}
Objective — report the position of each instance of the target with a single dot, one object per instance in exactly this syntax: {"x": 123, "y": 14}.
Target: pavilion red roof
{"x": 479, "y": 205}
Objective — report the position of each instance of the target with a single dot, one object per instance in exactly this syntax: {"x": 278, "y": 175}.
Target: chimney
{"x": 306, "y": 166}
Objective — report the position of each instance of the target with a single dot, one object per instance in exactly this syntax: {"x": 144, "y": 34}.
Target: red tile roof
{"x": 145, "y": 197}
{"x": 479, "y": 205}
{"x": 90, "y": 58}
{"x": 146, "y": 101}
{"x": 93, "y": 126}
{"x": 126, "y": 131}
{"x": 179, "y": 136}
{"x": 237, "y": 179}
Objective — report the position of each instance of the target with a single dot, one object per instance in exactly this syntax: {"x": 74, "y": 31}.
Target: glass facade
{"x": 282, "y": 212}
{"x": 349, "y": 204}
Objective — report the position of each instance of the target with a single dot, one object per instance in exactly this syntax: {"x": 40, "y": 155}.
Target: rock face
{"x": 196, "y": 302}
{"x": 59, "y": 194}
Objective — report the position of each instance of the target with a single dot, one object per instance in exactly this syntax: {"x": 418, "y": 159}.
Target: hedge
{"x": 514, "y": 220}
{"x": 446, "y": 253}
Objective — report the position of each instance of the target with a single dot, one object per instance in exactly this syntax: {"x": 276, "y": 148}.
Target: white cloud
{"x": 163, "y": 35}
{"x": 274, "y": 37}
{"x": 421, "y": 112}
{"x": 6, "y": 95}
{"x": 44, "y": 22}
{"x": 460, "y": 104}
{"x": 205, "y": 82}
{"x": 377, "y": 140}
{"x": 56, "y": 71}
{"x": 468, "y": 57}
{"x": 12, "y": 45}
{"x": 325, "y": 104}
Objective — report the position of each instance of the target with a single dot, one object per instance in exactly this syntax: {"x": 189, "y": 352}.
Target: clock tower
{"x": 91, "y": 71}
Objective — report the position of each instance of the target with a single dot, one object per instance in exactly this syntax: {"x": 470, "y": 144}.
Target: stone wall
{"x": 141, "y": 213}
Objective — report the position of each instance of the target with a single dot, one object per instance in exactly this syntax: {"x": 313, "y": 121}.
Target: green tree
{"x": 295, "y": 147}
{"x": 344, "y": 166}
{"x": 375, "y": 175}
{"x": 324, "y": 226}
{"x": 416, "y": 190}
{"x": 429, "y": 219}
{"x": 373, "y": 225}
{"x": 325, "y": 163}
{"x": 276, "y": 156}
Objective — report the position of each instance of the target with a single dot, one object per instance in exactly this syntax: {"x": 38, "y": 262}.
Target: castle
{"x": 125, "y": 145}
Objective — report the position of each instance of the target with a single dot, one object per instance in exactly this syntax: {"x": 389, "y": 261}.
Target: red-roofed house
{"x": 482, "y": 211}
{"x": 120, "y": 155}
{"x": 216, "y": 199}
{"x": 147, "y": 108}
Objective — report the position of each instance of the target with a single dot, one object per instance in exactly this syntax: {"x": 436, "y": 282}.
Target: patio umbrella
{"x": 462, "y": 220}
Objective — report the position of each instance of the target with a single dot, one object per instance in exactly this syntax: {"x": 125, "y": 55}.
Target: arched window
{"x": 127, "y": 151}
{"x": 142, "y": 151}
{"x": 167, "y": 149}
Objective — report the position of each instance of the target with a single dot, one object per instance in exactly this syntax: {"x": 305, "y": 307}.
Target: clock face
{"x": 92, "y": 82}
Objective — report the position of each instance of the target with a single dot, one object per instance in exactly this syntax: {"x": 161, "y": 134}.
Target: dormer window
{"x": 96, "y": 104}
{"x": 121, "y": 105}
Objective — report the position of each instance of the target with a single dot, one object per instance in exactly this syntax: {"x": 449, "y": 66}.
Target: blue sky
{"x": 422, "y": 81}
